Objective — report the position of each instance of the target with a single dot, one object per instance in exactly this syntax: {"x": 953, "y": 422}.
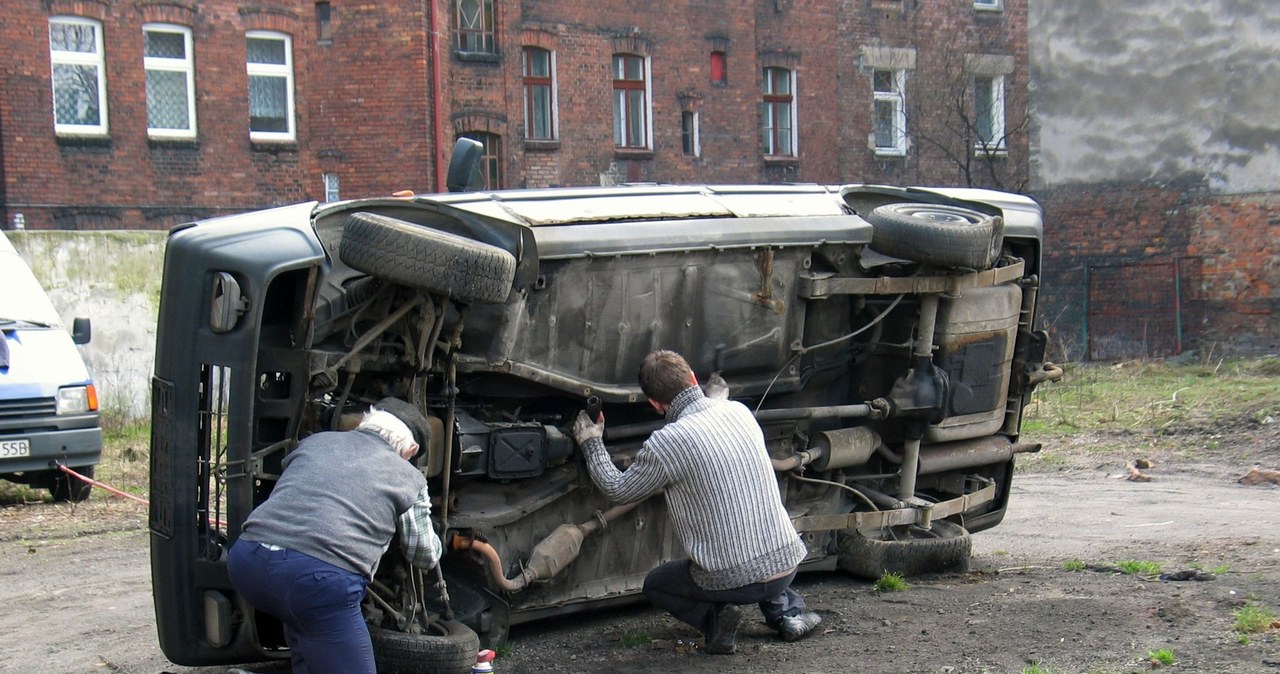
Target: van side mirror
{"x": 81, "y": 331}
{"x": 465, "y": 164}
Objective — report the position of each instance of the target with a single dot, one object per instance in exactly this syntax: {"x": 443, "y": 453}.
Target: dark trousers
{"x": 670, "y": 587}
{"x": 319, "y": 604}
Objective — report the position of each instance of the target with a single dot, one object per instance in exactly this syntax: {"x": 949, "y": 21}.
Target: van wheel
{"x": 450, "y": 648}
{"x": 906, "y": 551}
{"x": 65, "y": 487}
{"x": 946, "y": 236}
{"x": 427, "y": 259}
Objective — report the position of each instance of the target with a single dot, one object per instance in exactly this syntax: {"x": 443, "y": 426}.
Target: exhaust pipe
{"x": 549, "y": 557}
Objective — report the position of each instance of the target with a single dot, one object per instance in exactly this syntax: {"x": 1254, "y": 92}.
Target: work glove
{"x": 716, "y": 387}
{"x": 584, "y": 428}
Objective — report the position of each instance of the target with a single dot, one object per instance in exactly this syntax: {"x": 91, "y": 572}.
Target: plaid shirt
{"x": 421, "y": 544}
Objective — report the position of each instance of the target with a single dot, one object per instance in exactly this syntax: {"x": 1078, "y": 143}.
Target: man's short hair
{"x": 664, "y": 374}
{"x": 389, "y": 427}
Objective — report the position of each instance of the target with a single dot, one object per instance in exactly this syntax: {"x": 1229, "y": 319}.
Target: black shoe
{"x": 794, "y": 628}
{"x": 723, "y": 638}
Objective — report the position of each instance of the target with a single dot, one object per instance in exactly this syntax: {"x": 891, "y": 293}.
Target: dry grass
{"x": 1157, "y": 397}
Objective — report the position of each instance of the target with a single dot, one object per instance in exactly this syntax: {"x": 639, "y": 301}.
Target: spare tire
{"x": 427, "y": 259}
{"x": 906, "y": 551}
{"x": 449, "y": 649}
{"x": 945, "y": 236}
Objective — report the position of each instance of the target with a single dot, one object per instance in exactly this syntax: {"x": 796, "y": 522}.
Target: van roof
{"x": 23, "y": 298}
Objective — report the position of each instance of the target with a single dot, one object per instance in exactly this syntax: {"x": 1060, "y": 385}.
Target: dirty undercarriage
{"x": 884, "y": 337}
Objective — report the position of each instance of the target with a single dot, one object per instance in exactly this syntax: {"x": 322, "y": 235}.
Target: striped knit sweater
{"x": 722, "y": 496}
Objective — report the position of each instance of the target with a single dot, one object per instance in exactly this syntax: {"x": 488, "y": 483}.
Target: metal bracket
{"x": 922, "y": 515}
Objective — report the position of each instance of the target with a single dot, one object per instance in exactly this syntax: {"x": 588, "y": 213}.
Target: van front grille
{"x": 28, "y": 408}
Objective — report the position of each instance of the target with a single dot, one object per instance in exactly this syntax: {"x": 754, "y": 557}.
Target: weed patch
{"x": 1134, "y": 567}
{"x": 1251, "y": 619}
{"x": 1161, "y": 658}
{"x": 891, "y": 582}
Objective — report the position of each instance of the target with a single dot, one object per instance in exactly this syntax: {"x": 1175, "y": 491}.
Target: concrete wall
{"x": 1156, "y": 147}
{"x": 1153, "y": 89}
{"x": 112, "y": 278}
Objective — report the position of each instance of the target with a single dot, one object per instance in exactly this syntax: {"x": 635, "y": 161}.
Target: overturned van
{"x": 48, "y": 401}
{"x": 885, "y": 337}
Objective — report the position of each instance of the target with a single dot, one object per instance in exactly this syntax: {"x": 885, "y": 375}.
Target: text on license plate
{"x": 10, "y": 449}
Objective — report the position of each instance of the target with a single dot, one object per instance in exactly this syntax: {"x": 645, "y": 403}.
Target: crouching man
{"x": 722, "y": 497}
{"x": 307, "y": 553}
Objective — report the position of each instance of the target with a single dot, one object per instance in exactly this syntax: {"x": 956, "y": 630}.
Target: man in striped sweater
{"x": 722, "y": 497}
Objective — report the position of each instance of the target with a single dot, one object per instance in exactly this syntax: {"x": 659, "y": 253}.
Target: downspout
{"x": 437, "y": 128}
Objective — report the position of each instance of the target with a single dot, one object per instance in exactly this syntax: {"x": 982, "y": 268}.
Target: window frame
{"x": 530, "y": 82}
{"x": 997, "y": 143}
{"x": 718, "y": 68}
{"x": 490, "y": 158}
{"x": 332, "y": 187}
{"x": 486, "y": 33}
{"x": 772, "y": 102}
{"x": 622, "y": 89}
{"x": 897, "y": 99}
{"x": 988, "y": 5}
{"x": 97, "y": 59}
{"x": 186, "y": 66}
{"x": 690, "y": 134}
{"x": 284, "y": 70}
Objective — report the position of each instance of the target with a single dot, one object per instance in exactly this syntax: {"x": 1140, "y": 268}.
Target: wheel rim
{"x": 936, "y": 214}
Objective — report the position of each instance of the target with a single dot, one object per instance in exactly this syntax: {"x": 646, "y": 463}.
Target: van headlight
{"x": 77, "y": 399}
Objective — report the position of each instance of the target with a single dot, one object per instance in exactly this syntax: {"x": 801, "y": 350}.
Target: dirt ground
{"x": 78, "y": 587}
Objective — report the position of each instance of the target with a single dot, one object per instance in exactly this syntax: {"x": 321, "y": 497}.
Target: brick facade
{"x": 366, "y": 111}
{"x": 1150, "y": 269}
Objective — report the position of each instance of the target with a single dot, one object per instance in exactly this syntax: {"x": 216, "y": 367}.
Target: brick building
{"x": 146, "y": 113}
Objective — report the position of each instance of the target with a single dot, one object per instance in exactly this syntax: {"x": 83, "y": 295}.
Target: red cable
{"x": 117, "y": 492}
{"x": 100, "y": 485}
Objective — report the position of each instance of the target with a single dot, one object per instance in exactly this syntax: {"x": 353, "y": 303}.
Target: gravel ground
{"x": 77, "y": 579}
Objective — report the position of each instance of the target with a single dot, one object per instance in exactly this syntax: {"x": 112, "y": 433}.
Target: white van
{"x": 48, "y": 403}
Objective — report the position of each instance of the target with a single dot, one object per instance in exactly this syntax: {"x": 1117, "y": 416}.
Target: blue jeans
{"x": 318, "y": 603}
{"x": 670, "y": 587}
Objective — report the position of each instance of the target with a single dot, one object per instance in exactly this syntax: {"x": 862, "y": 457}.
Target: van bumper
{"x": 72, "y": 447}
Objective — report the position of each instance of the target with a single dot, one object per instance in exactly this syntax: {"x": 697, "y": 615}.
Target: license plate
{"x": 12, "y": 449}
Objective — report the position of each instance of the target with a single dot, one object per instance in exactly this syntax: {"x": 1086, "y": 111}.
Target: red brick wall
{"x": 1237, "y": 240}
{"x": 365, "y": 108}
{"x": 1215, "y": 257}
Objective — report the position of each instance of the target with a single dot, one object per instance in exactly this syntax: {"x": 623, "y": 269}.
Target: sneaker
{"x": 723, "y": 638}
{"x": 794, "y": 628}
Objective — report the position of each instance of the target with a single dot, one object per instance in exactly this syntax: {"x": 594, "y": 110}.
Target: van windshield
{"x": 23, "y": 300}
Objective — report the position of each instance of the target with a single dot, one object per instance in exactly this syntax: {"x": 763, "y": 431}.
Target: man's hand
{"x": 716, "y": 387}
{"x": 584, "y": 428}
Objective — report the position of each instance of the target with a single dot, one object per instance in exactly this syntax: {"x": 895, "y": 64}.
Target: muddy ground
{"x": 77, "y": 585}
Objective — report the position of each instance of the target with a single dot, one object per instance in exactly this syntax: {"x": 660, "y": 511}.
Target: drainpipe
{"x": 437, "y": 129}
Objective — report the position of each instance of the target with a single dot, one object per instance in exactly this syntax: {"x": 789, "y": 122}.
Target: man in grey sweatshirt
{"x": 306, "y": 554}
{"x": 722, "y": 498}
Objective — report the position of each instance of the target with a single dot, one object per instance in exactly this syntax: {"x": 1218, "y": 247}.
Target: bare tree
{"x": 962, "y": 113}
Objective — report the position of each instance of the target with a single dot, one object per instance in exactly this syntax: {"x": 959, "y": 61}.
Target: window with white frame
{"x": 988, "y": 113}
{"x": 690, "y": 144}
{"x": 630, "y": 101}
{"x": 331, "y": 188}
{"x": 778, "y": 114}
{"x": 988, "y": 4}
{"x": 538, "y": 68}
{"x": 171, "y": 88}
{"x": 890, "y": 116}
{"x": 270, "y": 66}
{"x": 79, "y": 76}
